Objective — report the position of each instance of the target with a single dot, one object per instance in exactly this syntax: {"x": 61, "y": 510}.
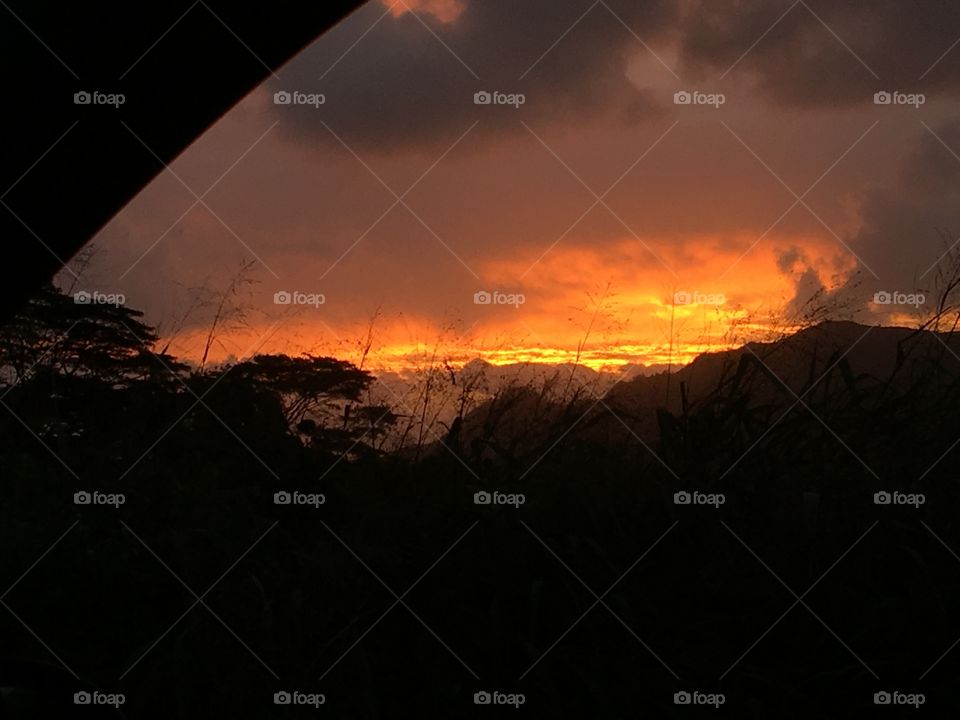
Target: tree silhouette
{"x": 59, "y": 335}
{"x": 320, "y": 399}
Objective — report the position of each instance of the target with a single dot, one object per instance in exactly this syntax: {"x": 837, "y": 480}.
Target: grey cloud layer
{"x": 813, "y": 55}
{"x": 400, "y": 87}
{"x": 910, "y": 222}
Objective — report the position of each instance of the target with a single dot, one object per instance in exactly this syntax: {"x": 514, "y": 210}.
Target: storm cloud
{"x": 399, "y": 82}
{"x": 403, "y": 77}
{"x": 826, "y": 52}
{"x": 910, "y": 222}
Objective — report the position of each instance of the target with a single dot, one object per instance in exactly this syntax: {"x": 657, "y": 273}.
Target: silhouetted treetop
{"x": 307, "y": 385}
{"x": 56, "y": 333}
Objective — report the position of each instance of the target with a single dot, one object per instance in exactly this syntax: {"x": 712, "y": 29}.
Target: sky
{"x": 587, "y": 212}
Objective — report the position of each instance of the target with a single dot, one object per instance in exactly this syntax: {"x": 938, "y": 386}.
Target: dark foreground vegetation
{"x": 400, "y": 596}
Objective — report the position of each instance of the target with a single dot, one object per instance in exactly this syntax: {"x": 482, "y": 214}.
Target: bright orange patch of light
{"x": 444, "y": 10}
{"x": 594, "y": 307}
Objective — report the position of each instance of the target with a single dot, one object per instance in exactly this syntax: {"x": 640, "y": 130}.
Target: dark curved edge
{"x": 82, "y": 165}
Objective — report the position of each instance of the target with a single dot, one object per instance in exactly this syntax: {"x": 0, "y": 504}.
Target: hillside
{"x": 836, "y": 360}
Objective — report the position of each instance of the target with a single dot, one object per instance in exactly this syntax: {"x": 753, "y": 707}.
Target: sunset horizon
{"x": 384, "y": 359}
{"x": 639, "y": 220}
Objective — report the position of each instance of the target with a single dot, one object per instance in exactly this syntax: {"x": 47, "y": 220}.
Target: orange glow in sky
{"x": 444, "y": 10}
{"x": 598, "y": 308}
{"x": 638, "y": 231}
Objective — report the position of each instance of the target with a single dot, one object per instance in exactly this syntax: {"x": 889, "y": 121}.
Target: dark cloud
{"x": 909, "y": 219}
{"x": 788, "y": 258}
{"x": 809, "y": 289}
{"x": 905, "y": 223}
{"x": 909, "y": 223}
{"x": 400, "y": 87}
{"x": 813, "y": 55}
{"x": 396, "y": 86}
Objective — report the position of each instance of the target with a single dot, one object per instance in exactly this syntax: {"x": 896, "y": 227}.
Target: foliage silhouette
{"x": 311, "y": 592}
